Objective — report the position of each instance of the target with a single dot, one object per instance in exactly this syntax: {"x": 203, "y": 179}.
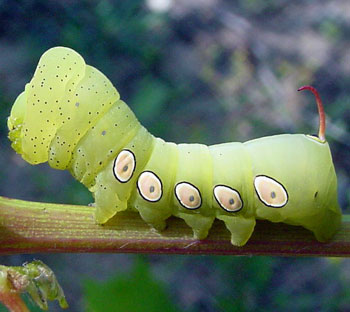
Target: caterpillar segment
{"x": 192, "y": 188}
{"x": 71, "y": 116}
{"x": 100, "y": 144}
{"x": 110, "y": 191}
{"x": 57, "y": 74}
{"x": 95, "y": 88}
{"x": 152, "y": 193}
{"x": 232, "y": 190}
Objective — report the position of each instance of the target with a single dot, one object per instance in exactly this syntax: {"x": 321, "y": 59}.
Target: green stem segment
{"x": 31, "y": 227}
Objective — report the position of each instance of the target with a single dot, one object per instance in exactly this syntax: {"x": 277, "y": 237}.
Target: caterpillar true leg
{"x": 107, "y": 201}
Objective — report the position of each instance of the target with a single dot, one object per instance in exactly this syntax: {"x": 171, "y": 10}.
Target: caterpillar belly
{"x": 71, "y": 116}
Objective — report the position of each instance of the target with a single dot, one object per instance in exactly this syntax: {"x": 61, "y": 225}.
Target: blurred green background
{"x": 205, "y": 71}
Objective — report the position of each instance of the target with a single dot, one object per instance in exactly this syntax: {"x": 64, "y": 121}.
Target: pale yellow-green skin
{"x": 71, "y": 116}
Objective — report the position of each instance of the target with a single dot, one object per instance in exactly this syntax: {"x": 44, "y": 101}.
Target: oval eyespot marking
{"x": 270, "y": 192}
{"x": 228, "y": 198}
{"x": 124, "y": 166}
{"x": 149, "y": 186}
{"x": 188, "y": 195}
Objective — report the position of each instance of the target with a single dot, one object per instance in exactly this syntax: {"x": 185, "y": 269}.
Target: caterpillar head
{"x": 63, "y": 100}
{"x": 35, "y": 116}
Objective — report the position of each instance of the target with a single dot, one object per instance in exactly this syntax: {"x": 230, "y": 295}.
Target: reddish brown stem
{"x": 31, "y": 227}
{"x": 322, "y": 117}
{"x": 13, "y": 302}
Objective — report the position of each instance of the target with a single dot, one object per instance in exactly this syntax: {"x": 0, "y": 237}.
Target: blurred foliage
{"x": 204, "y": 71}
{"x": 247, "y": 282}
{"x": 133, "y": 292}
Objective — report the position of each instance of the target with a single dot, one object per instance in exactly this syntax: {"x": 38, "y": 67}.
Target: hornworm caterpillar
{"x": 71, "y": 116}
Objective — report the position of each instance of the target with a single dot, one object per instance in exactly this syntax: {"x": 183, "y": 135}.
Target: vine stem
{"x": 32, "y": 227}
{"x": 13, "y": 302}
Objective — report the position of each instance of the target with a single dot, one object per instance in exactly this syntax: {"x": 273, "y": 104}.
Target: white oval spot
{"x": 188, "y": 195}
{"x": 270, "y": 192}
{"x": 124, "y": 166}
{"x": 228, "y": 198}
{"x": 149, "y": 186}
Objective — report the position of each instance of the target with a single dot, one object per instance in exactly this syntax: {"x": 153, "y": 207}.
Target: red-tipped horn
{"x": 322, "y": 117}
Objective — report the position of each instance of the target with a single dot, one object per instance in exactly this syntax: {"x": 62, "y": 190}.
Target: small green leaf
{"x": 34, "y": 278}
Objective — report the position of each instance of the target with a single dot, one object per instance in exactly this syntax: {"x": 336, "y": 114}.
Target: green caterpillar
{"x": 71, "y": 116}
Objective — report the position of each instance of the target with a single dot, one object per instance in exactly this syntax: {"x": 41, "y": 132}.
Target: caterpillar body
{"x": 71, "y": 116}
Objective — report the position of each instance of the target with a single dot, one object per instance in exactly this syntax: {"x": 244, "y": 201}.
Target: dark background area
{"x": 207, "y": 71}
